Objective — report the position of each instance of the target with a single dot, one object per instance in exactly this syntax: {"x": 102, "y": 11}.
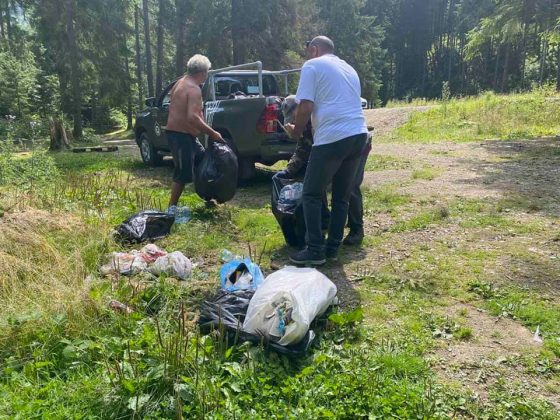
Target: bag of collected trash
{"x": 240, "y": 275}
{"x": 286, "y": 304}
{"x": 147, "y": 225}
{"x": 216, "y": 175}
{"x": 288, "y": 209}
{"x": 226, "y": 312}
{"x": 174, "y": 264}
{"x": 127, "y": 264}
{"x": 150, "y": 259}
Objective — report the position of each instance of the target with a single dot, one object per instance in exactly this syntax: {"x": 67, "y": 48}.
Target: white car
{"x": 364, "y": 103}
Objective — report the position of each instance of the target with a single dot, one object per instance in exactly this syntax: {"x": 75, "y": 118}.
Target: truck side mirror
{"x": 150, "y": 102}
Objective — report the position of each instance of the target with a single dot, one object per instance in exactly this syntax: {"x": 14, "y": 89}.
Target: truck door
{"x": 160, "y": 118}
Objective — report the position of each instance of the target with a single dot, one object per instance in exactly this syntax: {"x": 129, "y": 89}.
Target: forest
{"x": 94, "y": 62}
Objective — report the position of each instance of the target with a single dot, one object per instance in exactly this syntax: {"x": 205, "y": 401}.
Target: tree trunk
{"x": 74, "y": 70}
{"x": 59, "y": 139}
{"x": 180, "y": 38}
{"x": 2, "y": 30}
{"x": 8, "y": 18}
{"x": 149, "y": 68}
{"x": 558, "y": 68}
{"x": 496, "y": 68}
{"x": 159, "y": 52}
{"x": 237, "y": 32}
{"x": 544, "y": 53}
{"x": 506, "y": 67}
{"x": 128, "y": 88}
{"x": 139, "y": 80}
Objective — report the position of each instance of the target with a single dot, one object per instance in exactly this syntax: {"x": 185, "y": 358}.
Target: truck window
{"x": 227, "y": 85}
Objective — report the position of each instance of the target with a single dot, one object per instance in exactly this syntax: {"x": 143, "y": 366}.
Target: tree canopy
{"x": 94, "y": 61}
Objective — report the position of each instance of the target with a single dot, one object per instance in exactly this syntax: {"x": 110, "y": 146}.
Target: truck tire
{"x": 148, "y": 152}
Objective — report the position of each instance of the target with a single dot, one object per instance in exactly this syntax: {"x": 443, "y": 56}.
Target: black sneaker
{"x": 331, "y": 254}
{"x": 307, "y": 257}
{"x": 354, "y": 238}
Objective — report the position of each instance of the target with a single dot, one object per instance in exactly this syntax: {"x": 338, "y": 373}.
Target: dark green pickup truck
{"x": 243, "y": 105}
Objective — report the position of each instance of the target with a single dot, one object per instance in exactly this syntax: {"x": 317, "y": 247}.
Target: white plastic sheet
{"x": 174, "y": 264}
{"x": 286, "y": 304}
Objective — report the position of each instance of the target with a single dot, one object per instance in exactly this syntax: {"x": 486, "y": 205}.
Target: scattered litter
{"x": 227, "y": 312}
{"x": 216, "y": 175}
{"x": 150, "y": 259}
{"x": 145, "y": 226}
{"x": 182, "y": 214}
{"x": 239, "y": 274}
{"x": 286, "y": 304}
{"x": 226, "y": 256}
{"x": 120, "y": 307}
{"x": 174, "y": 264}
{"x": 288, "y": 210}
{"x": 106, "y": 149}
{"x": 537, "y": 338}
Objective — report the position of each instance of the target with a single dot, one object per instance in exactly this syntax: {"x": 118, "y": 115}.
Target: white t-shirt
{"x": 334, "y": 88}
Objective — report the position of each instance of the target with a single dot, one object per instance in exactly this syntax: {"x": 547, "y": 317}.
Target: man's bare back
{"x": 184, "y": 108}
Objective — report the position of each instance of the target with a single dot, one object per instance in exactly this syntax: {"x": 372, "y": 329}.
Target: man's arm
{"x": 195, "y": 116}
{"x": 303, "y": 114}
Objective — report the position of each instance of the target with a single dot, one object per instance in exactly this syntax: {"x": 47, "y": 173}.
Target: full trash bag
{"x": 216, "y": 175}
{"x": 226, "y": 312}
{"x": 240, "y": 275}
{"x": 288, "y": 209}
{"x": 145, "y": 226}
{"x": 286, "y": 304}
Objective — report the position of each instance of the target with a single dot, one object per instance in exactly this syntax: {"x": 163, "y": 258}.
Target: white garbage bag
{"x": 174, "y": 264}
{"x": 127, "y": 264}
{"x": 286, "y": 304}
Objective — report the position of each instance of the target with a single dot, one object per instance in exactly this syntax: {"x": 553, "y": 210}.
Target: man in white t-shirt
{"x": 329, "y": 93}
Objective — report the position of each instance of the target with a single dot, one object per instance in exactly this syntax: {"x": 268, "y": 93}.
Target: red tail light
{"x": 268, "y": 122}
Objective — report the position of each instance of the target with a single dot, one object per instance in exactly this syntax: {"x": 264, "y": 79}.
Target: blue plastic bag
{"x": 240, "y": 275}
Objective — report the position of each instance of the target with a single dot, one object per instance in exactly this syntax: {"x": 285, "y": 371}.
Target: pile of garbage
{"x": 150, "y": 259}
{"x": 277, "y": 311}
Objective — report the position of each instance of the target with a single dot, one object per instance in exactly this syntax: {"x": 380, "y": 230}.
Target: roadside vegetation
{"x": 488, "y": 116}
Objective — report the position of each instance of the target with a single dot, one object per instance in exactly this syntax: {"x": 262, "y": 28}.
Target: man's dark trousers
{"x": 337, "y": 163}
{"x": 356, "y": 208}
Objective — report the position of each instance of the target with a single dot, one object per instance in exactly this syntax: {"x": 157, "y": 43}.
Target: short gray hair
{"x": 198, "y": 64}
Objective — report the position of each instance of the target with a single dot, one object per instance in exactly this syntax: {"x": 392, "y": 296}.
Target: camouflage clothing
{"x": 298, "y": 162}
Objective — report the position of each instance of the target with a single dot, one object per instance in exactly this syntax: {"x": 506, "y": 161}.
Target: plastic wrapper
{"x": 240, "y": 275}
{"x": 174, "y": 264}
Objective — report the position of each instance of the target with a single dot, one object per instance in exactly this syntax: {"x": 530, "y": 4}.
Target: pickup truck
{"x": 243, "y": 105}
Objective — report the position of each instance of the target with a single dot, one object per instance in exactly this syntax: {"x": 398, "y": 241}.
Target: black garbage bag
{"x": 288, "y": 209}
{"x": 226, "y": 312}
{"x": 145, "y": 226}
{"x": 216, "y": 175}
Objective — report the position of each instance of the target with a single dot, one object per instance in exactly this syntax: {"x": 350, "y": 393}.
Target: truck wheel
{"x": 148, "y": 152}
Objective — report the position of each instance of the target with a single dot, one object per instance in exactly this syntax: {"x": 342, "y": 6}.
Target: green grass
{"x": 65, "y": 354}
{"x": 383, "y": 200}
{"x": 489, "y": 116}
{"x": 427, "y": 173}
{"x": 385, "y": 162}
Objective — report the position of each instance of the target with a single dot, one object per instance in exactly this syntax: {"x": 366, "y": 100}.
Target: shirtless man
{"x": 185, "y": 123}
